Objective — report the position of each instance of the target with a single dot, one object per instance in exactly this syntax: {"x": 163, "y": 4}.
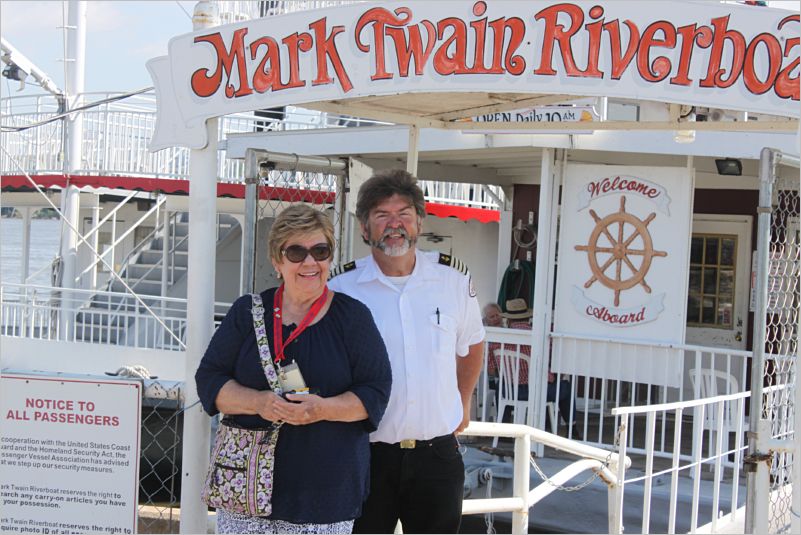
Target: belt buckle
{"x": 408, "y": 444}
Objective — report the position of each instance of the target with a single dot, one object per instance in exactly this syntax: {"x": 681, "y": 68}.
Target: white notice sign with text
{"x": 69, "y": 454}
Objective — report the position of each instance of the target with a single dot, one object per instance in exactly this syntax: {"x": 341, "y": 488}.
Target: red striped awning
{"x": 172, "y": 186}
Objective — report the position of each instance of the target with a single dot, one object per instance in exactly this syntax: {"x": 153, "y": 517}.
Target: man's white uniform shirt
{"x": 425, "y": 324}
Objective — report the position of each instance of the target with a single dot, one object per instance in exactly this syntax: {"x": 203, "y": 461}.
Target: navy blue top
{"x": 321, "y": 469}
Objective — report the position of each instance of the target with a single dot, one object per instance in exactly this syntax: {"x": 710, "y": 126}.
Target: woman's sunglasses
{"x": 297, "y": 253}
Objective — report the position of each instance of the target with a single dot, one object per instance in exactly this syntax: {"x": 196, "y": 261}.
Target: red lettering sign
{"x": 657, "y": 52}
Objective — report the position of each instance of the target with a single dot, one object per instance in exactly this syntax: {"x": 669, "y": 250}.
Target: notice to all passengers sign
{"x": 69, "y": 454}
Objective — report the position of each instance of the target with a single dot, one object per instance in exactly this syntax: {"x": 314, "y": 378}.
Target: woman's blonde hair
{"x": 298, "y": 220}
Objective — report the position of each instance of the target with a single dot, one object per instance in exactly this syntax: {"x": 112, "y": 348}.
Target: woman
{"x": 321, "y": 462}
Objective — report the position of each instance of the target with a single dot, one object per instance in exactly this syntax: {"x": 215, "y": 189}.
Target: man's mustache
{"x": 399, "y": 230}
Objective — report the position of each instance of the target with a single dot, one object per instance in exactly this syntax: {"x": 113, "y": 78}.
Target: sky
{"x": 121, "y": 36}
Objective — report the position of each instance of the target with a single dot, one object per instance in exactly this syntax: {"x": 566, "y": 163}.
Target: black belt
{"x": 411, "y": 444}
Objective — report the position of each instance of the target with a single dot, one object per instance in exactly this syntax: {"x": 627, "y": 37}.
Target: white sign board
{"x": 622, "y": 264}
{"x": 69, "y": 455}
{"x": 697, "y": 53}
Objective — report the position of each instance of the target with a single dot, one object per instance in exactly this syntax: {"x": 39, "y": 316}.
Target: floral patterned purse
{"x": 240, "y": 477}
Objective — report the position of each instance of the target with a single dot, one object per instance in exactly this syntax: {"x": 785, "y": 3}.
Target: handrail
{"x": 661, "y": 345}
{"x": 140, "y": 246}
{"x": 608, "y": 465}
{"x": 38, "y": 271}
{"x": 661, "y": 407}
{"x": 125, "y": 234}
{"x": 111, "y": 213}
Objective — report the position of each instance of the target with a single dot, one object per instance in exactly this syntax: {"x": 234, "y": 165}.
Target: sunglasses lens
{"x": 298, "y": 253}
{"x": 321, "y": 252}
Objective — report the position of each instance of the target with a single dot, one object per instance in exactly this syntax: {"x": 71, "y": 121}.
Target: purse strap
{"x": 264, "y": 346}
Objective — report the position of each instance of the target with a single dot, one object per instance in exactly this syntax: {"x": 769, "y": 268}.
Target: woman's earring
{"x": 278, "y": 275}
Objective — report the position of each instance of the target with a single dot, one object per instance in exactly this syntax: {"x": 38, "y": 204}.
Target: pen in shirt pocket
{"x": 437, "y": 312}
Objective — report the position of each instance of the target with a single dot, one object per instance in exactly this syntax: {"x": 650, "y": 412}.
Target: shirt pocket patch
{"x": 443, "y": 335}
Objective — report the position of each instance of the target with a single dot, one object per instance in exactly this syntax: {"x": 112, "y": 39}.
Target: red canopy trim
{"x": 172, "y": 186}
{"x": 168, "y": 186}
{"x": 464, "y": 213}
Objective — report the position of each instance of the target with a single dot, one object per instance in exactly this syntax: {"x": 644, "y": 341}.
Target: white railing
{"x": 94, "y": 317}
{"x": 708, "y": 499}
{"x": 37, "y": 312}
{"x": 605, "y": 384}
{"x": 116, "y": 137}
{"x": 590, "y": 459}
{"x": 610, "y": 382}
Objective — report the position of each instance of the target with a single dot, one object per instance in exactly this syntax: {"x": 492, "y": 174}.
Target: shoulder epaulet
{"x": 343, "y": 268}
{"x": 452, "y": 261}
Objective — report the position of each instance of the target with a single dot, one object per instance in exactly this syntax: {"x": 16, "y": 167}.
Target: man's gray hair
{"x": 383, "y": 185}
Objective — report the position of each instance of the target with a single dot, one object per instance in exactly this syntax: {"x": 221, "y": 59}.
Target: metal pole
{"x": 249, "y": 231}
{"x": 504, "y": 238}
{"x": 165, "y": 251}
{"x": 74, "y": 86}
{"x": 26, "y": 243}
{"x": 340, "y": 209}
{"x": 199, "y": 307}
{"x": 95, "y": 238}
{"x": 757, "y": 493}
{"x": 412, "y": 152}
{"x": 521, "y": 483}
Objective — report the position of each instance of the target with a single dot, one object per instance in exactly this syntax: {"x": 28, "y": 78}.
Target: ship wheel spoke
{"x": 609, "y": 236}
{"x": 635, "y": 251}
{"x": 600, "y": 270}
{"x": 633, "y": 269}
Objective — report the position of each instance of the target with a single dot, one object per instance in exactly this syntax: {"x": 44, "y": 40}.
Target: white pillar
{"x": 74, "y": 87}
{"x": 199, "y": 307}
{"x": 541, "y": 322}
{"x": 26, "y": 243}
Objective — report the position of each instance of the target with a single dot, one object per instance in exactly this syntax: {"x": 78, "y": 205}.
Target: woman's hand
{"x": 306, "y": 409}
{"x": 271, "y": 406}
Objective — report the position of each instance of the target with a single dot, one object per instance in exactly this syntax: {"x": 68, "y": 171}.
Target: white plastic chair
{"x": 509, "y": 366}
{"x": 710, "y": 383}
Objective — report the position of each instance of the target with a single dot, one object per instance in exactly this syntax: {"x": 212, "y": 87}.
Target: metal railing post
{"x": 521, "y": 483}
{"x": 758, "y": 484}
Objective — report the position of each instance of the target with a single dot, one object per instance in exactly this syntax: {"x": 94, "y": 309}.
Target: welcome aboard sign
{"x": 623, "y": 244}
{"x": 702, "y": 53}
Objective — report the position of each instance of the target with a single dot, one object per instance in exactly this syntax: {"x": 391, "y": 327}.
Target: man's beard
{"x": 393, "y": 250}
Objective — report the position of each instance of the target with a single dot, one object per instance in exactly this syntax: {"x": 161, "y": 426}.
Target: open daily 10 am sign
{"x": 69, "y": 455}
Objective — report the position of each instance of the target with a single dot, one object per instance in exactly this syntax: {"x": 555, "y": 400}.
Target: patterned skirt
{"x": 235, "y": 523}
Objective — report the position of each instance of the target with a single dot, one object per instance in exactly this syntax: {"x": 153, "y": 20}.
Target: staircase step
{"x": 138, "y": 270}
{"x": 175, "y": 243}
{"x": 142, "y": 287}
{"x": 180, "y": 258}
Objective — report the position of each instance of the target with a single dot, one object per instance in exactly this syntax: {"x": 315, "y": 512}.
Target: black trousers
{"x": 422, "y": 487}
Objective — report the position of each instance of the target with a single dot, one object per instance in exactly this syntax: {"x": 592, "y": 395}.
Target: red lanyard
{"x": 278, "y": 341}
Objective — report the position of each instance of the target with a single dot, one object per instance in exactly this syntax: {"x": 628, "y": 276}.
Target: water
{"x": 44, "y": 247}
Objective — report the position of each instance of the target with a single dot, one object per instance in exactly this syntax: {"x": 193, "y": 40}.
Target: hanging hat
{"x": 517, "y": 309}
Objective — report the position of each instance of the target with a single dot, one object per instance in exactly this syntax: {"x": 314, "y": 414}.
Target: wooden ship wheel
{"x": 620, "y": 251}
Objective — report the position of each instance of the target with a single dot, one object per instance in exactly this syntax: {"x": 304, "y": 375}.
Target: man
{"x": 492, "y": 315}
{"x": 428, "y": 315}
